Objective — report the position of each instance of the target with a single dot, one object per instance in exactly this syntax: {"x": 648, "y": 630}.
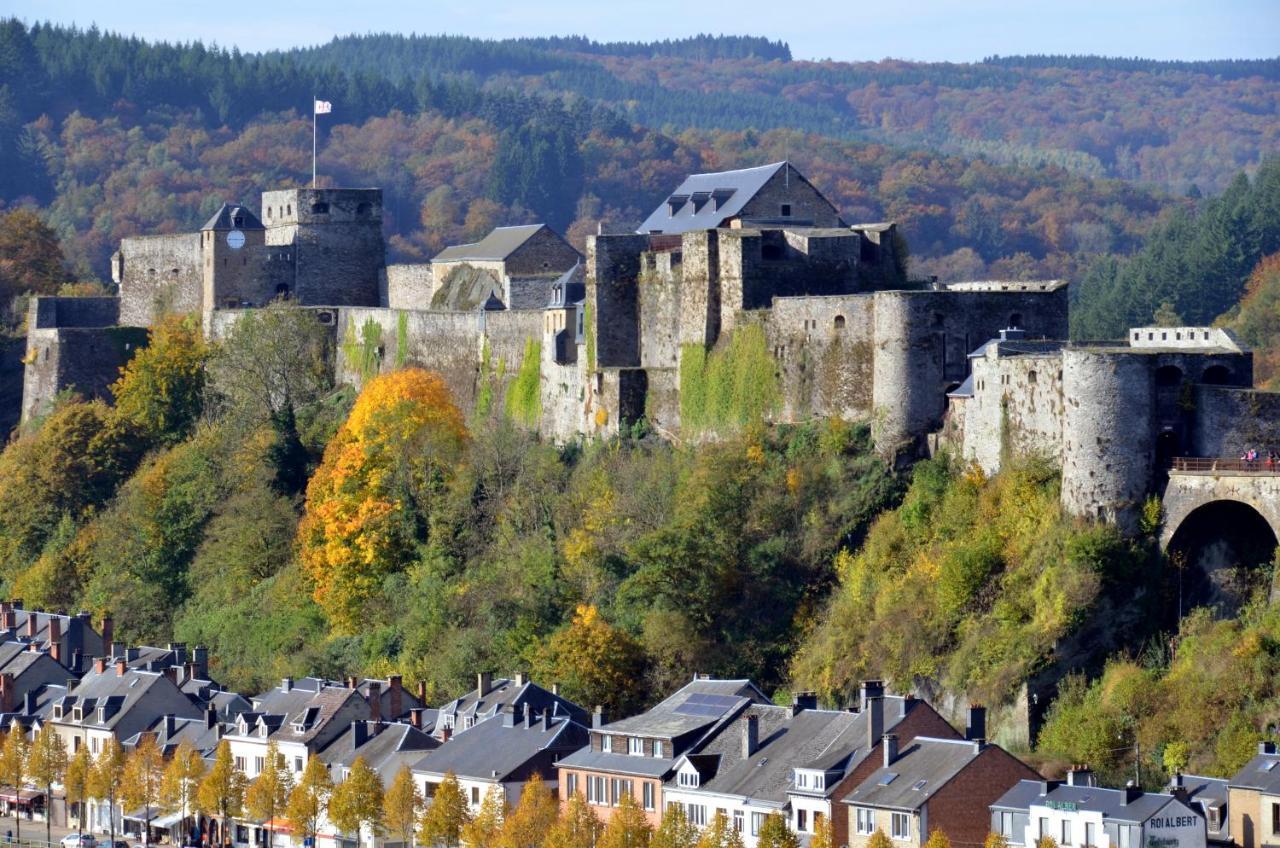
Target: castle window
{"x": 1015, "y": 320}
{"x": 786, "y": 210}
{"x": 839, "y": 322}
{"x": 268, "y": 211}
{"x": 290, "y": 209}
{"x": 320, "y": 208}
{"x": 237, "y": 221}
{"x": 1216, "y": 375}
{"x": 1031, "y": 377}
{"x": 174, "y": 271}
{"x": 282, "y": 291}
{"x": 363, "y": 209}
{"x": 771, "y": 252}
{"x": 1169, "y": 375}
{"x": 1151, "y": 337}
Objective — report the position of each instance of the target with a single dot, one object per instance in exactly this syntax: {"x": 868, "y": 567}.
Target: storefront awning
{"x": 141, "y": 815}
{"x": 22, "y": 796}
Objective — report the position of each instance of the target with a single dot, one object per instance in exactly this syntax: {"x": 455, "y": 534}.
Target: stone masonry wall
{"x": 410, "y": 286}
{"x": 788, "y": 187}
{"x": 47, "y": 312}
{"x": 824, "y": 349}
{"x": 158, "y": 274}
{"x": 613, "y": 268}
{"x": 339, "y": 253}
{"x": 660, "y": 292}
{"x": 1228, "y": 421}
{"x": 1017, "y": 409}
{"x": 544, "y": 252}
{"x": 86, "y": 360}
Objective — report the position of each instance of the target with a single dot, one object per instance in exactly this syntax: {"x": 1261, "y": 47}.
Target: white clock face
{"x": 235, "y": 239}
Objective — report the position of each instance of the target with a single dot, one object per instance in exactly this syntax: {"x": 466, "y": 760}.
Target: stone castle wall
{"x": 1016, "y": 409}
{"x": 84, "y": 360}
{"x": 1229, "y": 420}
{"x": 788, "y": 187}
{"x": 158, "y": 275}
{"x": 337, "y": 239}
{"x": 410, "y": 286}
{"x": 825, "y": 351}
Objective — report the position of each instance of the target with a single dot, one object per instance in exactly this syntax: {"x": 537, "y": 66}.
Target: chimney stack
{"x": 890, "y": 749}
{"x": 528, "y": 714}
{"x": 871, "y": 689}
{"x": 29, "y": 702}
{"x": 6, "y": 693}
{"x": 100, "y": 665}
{"x": 10, "y": 618}
{"x": 1130, "y": 794}
{"x": 484, "y": 682}
{"x": 286, "y": 684}
{"x": 359, "y": 733}
{"x": 375, "y": 701}
{"x": 200, "y": 656}
{"x": 171, "y": 672}
{"x": 750, "y": 735}
{"x": 976, "y": 728}
{"x": 415, "y": 717}
{"x": 422, "y": 692}
{"x": 555, "y": 689}
{"x": 108, "y": 630}
{"x": 77, "y": 661}
{"x": 521, "y": 678}
{"x": 1081, "y": 776}
{"x": 55, "y": 629}
{"x": 55, "y": 651}
{"x": 210, "y": 715}
{"x": 1266, "y": 747}
{"x": 121, "y": 666}
{"x": 395, "y": 699}
{"x": 802, "y": 701}
{"x": 597, "y": 718}
{"x": 170, "y": 725}
{"x": 33, "y": 624}
{"x": 874, "y": 709}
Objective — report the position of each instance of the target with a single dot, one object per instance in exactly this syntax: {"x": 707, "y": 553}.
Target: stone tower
{"x": 228, "y": 244}
{"x": 336, "y": 236}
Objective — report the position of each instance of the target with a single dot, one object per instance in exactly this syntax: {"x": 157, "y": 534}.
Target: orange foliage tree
{"x": 368, "y": 501}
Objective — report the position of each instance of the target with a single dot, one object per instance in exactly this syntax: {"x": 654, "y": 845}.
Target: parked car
{"x": 79, "y": 840}
{"x": 119, "y": 843}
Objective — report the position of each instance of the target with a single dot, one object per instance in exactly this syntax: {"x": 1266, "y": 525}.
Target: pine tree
{"x": 104, "y": 780}
{"x": 181, "y": 781}
{"x": 529, "y": 823}
{"x": 143, "y": 774}
{"x": 578, "y": 827}
{"x": 357, "y": 801}
{"x": 400, "y": 807}
{"x": 75, "y": 783}
{"x": 47, "y": 765}
{"x": 221, "y": 792}
{"x": 482, "y": 831}
{"x": 268, "y": 794}
{"x": 675, "y": 831}
{"x": 445, "y": 816}
{"x": 310, "y": 799}
{"x": 629, "y": 827}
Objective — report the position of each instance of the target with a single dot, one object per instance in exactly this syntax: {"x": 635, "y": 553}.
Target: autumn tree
{"x": 937, "y": 839}
{"x": 357, "y": 801}
{"x": 181, "y": 782}
{"x": 368, "y": 500}
{"x": 628, "y": 827}
{"x": 75, "y": 783}
{"x": 268, "y": 793}
{"x": 47, "y": 765}
{"x": 719, "y": 834}
{"x": 995, "y": 840}
{"x": 579, "y": 827}
{"x": 445, "y": 816}
{"x": 774, "y": 833}
{"x": 595, "y": 662}
{"x": 823, "y": 833}
{"x": 879, "y": 840}
{"x": 221, "y": 790}
{"x": 535, "y": 814}
{"x": 482, "y": 831}
{"x": 31, "y": 258}
{"x": 309, "y": 799}
{"x": 143, "y": 775}
{"x": 161, "y": 391}
{"x": 13, "y": 764}
{"x": 105, "y": 779}
{"x": 675, "y": 830}
{"x": 400, "y": 807}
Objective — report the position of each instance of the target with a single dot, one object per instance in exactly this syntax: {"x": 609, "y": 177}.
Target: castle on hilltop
{"x": 742, "y": 293}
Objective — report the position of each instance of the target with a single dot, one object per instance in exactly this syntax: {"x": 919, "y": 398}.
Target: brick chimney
{"x": 33, "y": 624}
{"x": 121, "y": 666}
{"x": 10, "y": 618}
{"x": 7, "y": 694}
{"x": 484, "y": 682}
{"x": 55, "y": 629}
{"x": 55, "y": 651}
{"x": 100, "y": 665}
{"x": 108, "y": 630}
{"x": 415, "y": 717}
{"x": 171, "y": 672}
{"x": 395, "y": 697}
{"x": 598, "y": 717}
{"x": 890, "y": 749}
{"x": 976, "y": 728}
{"x": 375, "y": 701}
{"x": 750, "y": 735}
{"x": 874, "y": 709}
{"x": 422, "y": 691}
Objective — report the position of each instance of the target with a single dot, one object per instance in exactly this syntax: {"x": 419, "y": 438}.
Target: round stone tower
{"x": 1109, "y": 434}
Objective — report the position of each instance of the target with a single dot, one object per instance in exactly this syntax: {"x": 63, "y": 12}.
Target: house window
{"x": 900, "y": 825}
{"x": 866, "y": 821}
{"x": 737, "y": 821}
{"x": 240, "y": 764}
{"x": 429, "y": 790}
{"x": 648, "y": 796}
{"x": 1090, "y": 834}
{"x": 802, "y": 821}
{"x": 93, "y": 745}
{"x": 475, "y": 794}
{"x": 1275, "y": 818}
{"x": 689, "y": 779}
{"x": 635, "y": 746}
{"x": 697, "y": 814}
{"x": 1006, "y": 824}
{"x": 297, "y": 764}
{"x": 786, "y": 210}
{"x": 757, "y": 822}
{"x": 571, "y": 785}
{"x": 258, "y": 764}
{"x": 1066, "y": 832}
{"x": 802, "y": 780}
{"x": 1044, "y": 831}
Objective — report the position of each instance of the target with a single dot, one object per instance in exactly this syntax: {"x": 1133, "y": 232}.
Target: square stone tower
{"x": 336, "y": 235}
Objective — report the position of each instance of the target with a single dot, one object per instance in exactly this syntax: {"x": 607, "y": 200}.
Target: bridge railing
{"x": 1224, "y": 465}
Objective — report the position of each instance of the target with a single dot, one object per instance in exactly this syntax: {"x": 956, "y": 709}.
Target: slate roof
{"x": 689, "y": 708}
{"x": 224, "y": 218}
{"x": 119, "y": 693}
{"x": 502, "y": 746}
{"x": 1109, "y": 802}
{"x": 567, "y": 289}
{"x": 933, "y": 761}
{"x": 502, "y": 693}
{"x": 500, "y": 243}
{"x": 1204, "y": 794}
{"x": 702, "y": 201}
{"x": 1261, "y": 773}
{"x": 199, "y": 733}
{"x": 385, "y": 747}
{"x": 315, "y": 714}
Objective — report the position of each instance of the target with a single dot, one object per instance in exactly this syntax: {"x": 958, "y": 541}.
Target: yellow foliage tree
{"x": 995, "y": 840}
{"x": 577, "y": 826}
{"x": 532, "y": 819}
{"x": 47, "y": 765}
{"x": 720, "y": 834}
{"x": 445, "y": 816}
{"x": 378, "y": 480}
{"x": 143, "y": 774}
{"x": 161, "y": 390}
{"x": 823, "y": 834}
{"x": 628, "y": 827}
{"x": 482, "y": 831}
{"x": 937, "y": 839}
{"x": 595, "y": 663}
{"x": 357, "y": 801}
{"x": 879, "y": 840}
{"x": 309, "y": 800}
{"x": 676, "y": 831}
{"x": 400, "y": 806}
{"x": 774, "y": 833}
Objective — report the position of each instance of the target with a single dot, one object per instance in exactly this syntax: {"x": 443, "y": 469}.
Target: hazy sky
{"x": 945, "y": 30}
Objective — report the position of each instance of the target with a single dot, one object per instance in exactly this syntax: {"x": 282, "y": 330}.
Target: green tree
{"x": 76, "y": 782}
{"x": 268, "y": 793}
{"x": 445, "y": 815}
{"x": 357, "y": 801}
{"x": 400, "y": 807}
{"x": 579, "y": 827}
{"x": 161, "y": 391}
{"x": 309, "y": 799}
{"x": 675, "y": 830}
{"x": 142, "y": 779}
{"x": 47, "y": 765}
{"x": 629, "y": 827}
{"x": 106, "y": 777}
{"x": 774, "y": 833}
{"x": 181, "y": 782}
{"x": 594, "y": 662}
{"x": 221, "y": 790}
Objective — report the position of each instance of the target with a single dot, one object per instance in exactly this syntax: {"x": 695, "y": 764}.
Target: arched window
{"x": 1168, "y": 375}
{"x": 839, "y": 322}
{"x": 1015, "y": 320}
{"x": 363, "y": 209}
{"x": 771, "y": 252}
{"x": 1031, "y": 377}
{"x": 1216, "y": 375}
{"x": 282, "y": 291}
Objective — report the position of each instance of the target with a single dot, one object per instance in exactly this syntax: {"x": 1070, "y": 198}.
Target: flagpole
{"x": 313, "y": 141}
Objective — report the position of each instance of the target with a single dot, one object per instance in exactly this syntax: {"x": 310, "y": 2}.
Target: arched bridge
{"x": 1228, "y": 494}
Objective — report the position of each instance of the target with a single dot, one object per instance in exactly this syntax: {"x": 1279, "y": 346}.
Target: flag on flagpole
{"x": 323, "y": 107}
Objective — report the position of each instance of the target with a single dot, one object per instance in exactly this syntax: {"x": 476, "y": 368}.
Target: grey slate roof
{"x": 702, "y": 201}
{"x": 503, "y": 747}
{"x": 933, "y": 761}
{"x": 199, "y": 733}
{"x": 1261, "y": 773}
{"x": 1109, "y": 802}
{"x": 677, "y": 714}
{"x": 500, "y": 243}
{"x": 385, "y": 747}
{"x": 225, "y": 218}
{"x": 501, "y": 694}
{"x": 120, "y": 694}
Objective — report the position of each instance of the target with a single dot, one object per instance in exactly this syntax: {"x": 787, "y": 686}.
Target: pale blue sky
{"x": 941, "y": 30}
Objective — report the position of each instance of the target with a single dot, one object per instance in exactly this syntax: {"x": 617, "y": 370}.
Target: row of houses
{"x": 887, "y": 763}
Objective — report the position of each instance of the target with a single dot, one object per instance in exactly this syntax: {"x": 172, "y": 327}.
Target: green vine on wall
{"x": 402, "y": 338}
{"x": 524, "y": 395}
{"x": 591, "y": 336}
{"x": 484, "y": 392}
{"x": 733, "y": 385}
{"x": 364, "y": 353}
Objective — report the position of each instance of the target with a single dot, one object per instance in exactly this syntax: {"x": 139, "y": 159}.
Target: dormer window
{"x": 57, "y": 710}
{"x": 635, "y": 746}
{"x": 676, "y": 202}
{"x": 688, "y": 779}
{"x": 606, "y": 744}
{"x": 237, "y": 222}
{"x": 815, "y": 781}
{"x": 77, "y": 714}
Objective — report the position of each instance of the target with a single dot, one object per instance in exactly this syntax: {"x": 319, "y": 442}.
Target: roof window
{"x": 888, "y": 777}
{"x": 676, "y": 202}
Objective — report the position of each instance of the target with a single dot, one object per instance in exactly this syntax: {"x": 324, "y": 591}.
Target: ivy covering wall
{"x": 524, "y": 395}
{"x": 363, "y": 350}
{"x": 733, "y": 385}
